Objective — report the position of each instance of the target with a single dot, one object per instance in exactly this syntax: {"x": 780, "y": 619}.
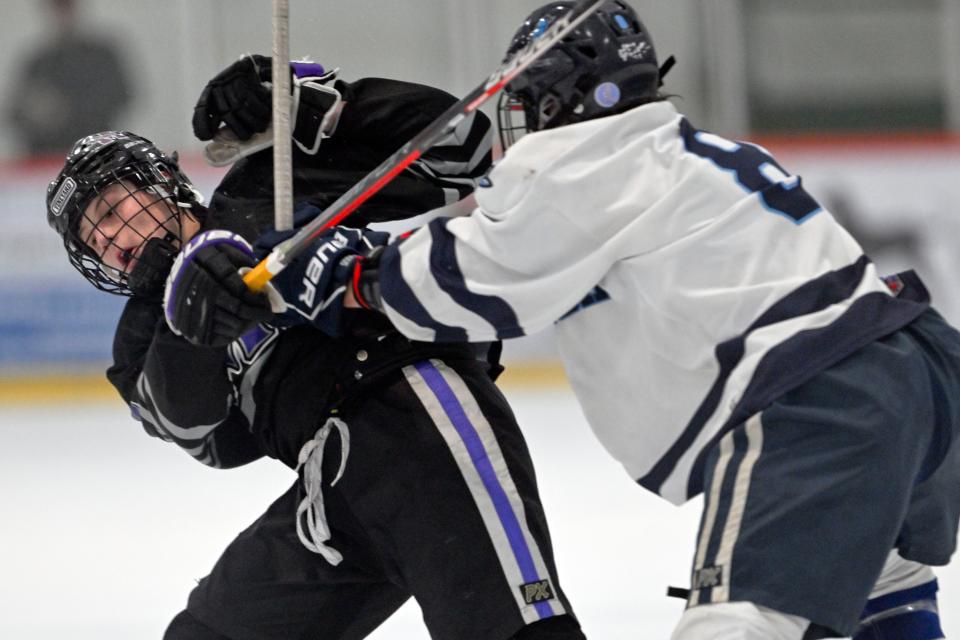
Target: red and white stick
{"x": 346, "y": 204}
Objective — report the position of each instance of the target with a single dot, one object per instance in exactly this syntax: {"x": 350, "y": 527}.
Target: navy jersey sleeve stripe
{"x": 401, "y": 298}
{"x": 446, "y": 270}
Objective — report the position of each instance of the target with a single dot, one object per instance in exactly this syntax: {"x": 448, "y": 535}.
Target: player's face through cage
{"x": 113, "y": 228}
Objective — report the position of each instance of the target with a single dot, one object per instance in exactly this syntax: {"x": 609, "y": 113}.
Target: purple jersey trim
{"x": 307, "y": 69}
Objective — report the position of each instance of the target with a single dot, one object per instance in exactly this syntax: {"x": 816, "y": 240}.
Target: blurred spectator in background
{"x": 66, "y": 87}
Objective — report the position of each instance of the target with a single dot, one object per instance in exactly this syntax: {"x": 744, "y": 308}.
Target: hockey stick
{"x": 346, "y": 204}
{"x": 282, "y": 147}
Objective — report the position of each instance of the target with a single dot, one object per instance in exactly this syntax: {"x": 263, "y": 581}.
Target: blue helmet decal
{"x": 606, "y": 94}
{"x": 541, "y": 27}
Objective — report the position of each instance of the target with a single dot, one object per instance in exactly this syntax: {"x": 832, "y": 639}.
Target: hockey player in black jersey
{"x": 414, "y": 479}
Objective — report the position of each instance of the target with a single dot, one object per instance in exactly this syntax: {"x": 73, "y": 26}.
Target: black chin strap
{"x": 665, "y": 68}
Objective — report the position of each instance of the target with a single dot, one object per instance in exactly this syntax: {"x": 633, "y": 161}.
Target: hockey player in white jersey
{"x": 723, "y": 333}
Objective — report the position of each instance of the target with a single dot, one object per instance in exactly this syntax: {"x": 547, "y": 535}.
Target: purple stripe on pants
{"x": 481, "y": 462}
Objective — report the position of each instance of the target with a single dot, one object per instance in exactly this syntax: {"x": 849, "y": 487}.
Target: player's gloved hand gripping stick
{"x": 286, "y": 251}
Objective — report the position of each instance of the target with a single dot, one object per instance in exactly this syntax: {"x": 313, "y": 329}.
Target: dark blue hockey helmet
{"x": 606, "y": 65}
{"x": 94, "y": 164}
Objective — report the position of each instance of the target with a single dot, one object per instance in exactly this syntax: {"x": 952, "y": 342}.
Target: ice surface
{"x": 105, "y": 530}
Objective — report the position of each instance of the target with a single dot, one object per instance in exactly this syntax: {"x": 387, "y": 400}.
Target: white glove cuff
{"x": 329, "y": 97}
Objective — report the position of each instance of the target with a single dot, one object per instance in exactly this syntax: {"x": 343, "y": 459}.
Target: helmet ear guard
{"x": 96, "y": 163}
{"x": 607, "y": 65}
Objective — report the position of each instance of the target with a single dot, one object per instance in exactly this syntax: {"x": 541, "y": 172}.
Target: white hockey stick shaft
{"x": 282, "y": 145}
{"x": 346, "y": 204}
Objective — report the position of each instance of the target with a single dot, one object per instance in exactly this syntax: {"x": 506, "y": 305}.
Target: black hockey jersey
{"x": 268, "y": 392}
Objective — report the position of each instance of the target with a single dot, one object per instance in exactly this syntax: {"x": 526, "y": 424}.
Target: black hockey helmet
{"x": 95, "y": 163}
{"x": 606, "y": 65}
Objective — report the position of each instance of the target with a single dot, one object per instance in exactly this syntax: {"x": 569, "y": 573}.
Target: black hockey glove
{"x": 239, "y": 97}
{"x": 206, "y": 300}
{"x": 314, "y": 284}
{"x": 150, "y": 272}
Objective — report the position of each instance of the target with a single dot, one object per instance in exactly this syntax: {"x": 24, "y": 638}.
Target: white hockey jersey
{"x": 692, "y": 280}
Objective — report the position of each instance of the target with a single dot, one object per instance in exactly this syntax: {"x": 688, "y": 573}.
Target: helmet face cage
{"x": 606, "y": 65}
{"x": 116, "y": 192}
{"x": 147, "y": 212}
{"x": 511, "y": 119}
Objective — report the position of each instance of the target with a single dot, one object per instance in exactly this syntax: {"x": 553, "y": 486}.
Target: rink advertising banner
{"x": 899, "y": 197}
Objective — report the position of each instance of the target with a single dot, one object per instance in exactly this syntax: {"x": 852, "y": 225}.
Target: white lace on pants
{"x": 311, "y": 511}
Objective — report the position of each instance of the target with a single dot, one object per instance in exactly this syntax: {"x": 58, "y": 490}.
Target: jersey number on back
{"x": 755, "y": 171}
